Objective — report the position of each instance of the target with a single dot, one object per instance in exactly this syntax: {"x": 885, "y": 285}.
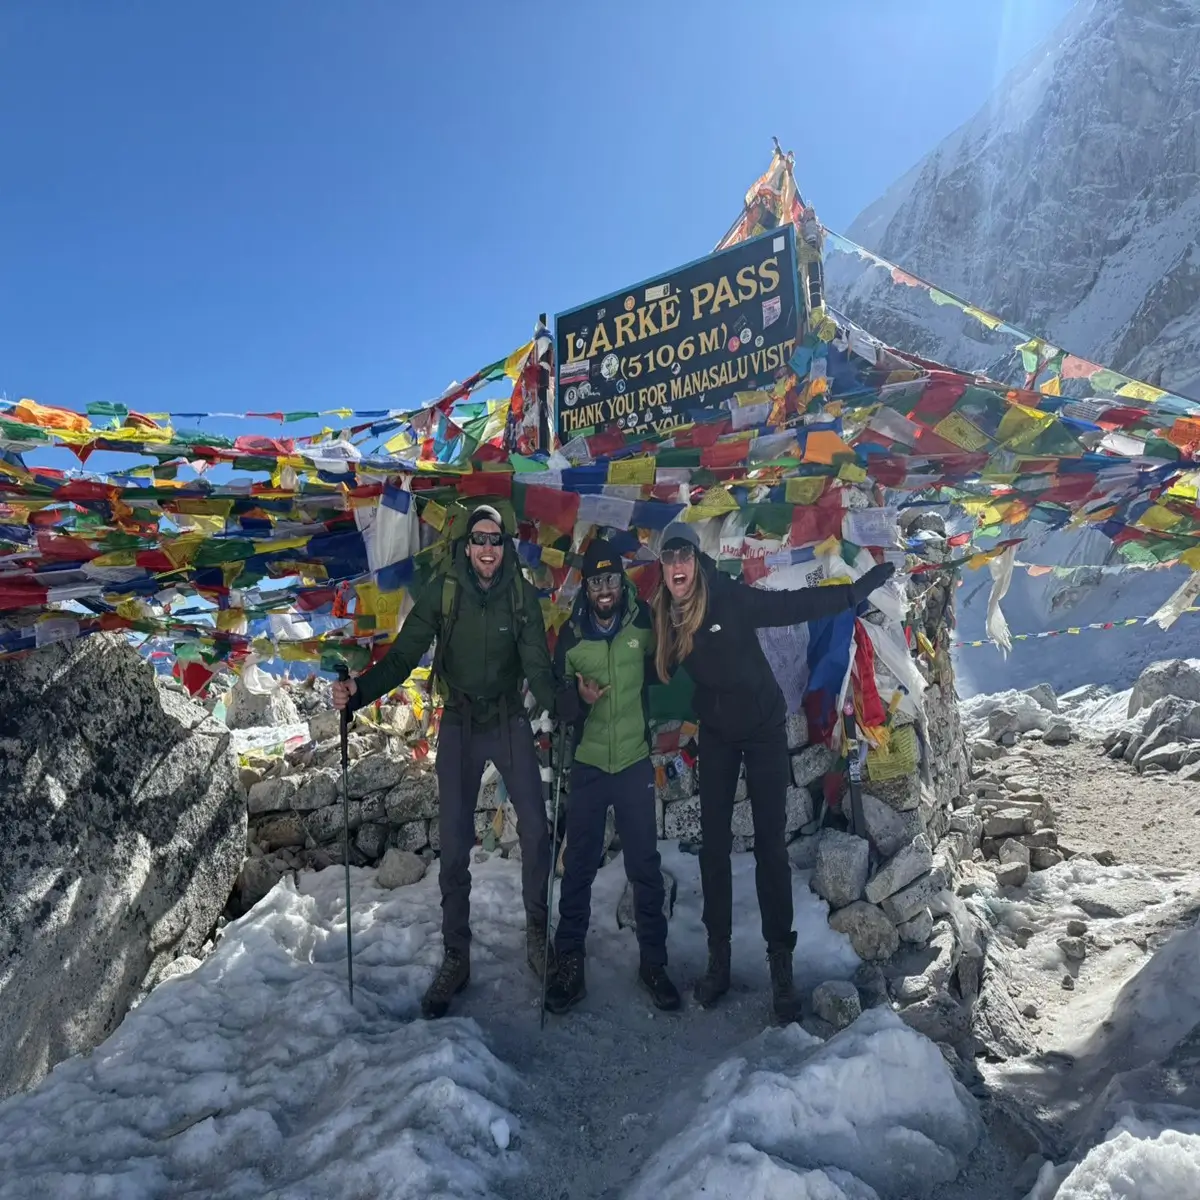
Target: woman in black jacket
{"x": 705, "y": 621}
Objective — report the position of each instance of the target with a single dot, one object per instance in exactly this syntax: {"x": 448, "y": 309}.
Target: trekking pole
{"x": 343, "y": 674}
{"x": 858, "y": 820}
{"x": 558, "y": 774}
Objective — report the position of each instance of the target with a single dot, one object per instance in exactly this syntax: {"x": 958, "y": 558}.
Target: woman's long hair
{"x": 675, "y": 627}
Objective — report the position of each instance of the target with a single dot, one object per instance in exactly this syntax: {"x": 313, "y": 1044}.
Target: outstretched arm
{"x": 760, "y": 607}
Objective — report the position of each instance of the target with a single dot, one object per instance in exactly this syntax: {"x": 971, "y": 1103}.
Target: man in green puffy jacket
{"x": 488, "y": 624}
{"x": 601, "y": 660}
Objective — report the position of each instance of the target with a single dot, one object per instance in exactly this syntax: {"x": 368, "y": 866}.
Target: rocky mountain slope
{"x": 1069, "y": 206}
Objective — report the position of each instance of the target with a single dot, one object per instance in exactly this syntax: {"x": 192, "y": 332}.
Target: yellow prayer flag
{"x": 1136, "y": 390}
{"x": 401, "y": 441}
{"x": 516, "y": 360}
{"x": 292, "y": 652}
{"x": 116, "y": 558}
{"x": 1021, "y": 425}
{"x": 547, "y": 534}
{"x": 633, "y": 471}
{"x": 220, "y": 508}
{"x": 269, "y": 545}
{"x": 852, "y": 473}
{"x": 552, "y": 557}
{"x": 1052, "y": 386}
{"x": 434, "y": 515}
{"x": 183, "y": 549}
{"x": 232, "y": 620}
{"x": 716, "y": 502}
{"x": 1158, "y": 517}
{"x": 200, "y": 523}
{"x": 984, "y": 318}
{"x": 803, "y": 489}
{"x": 954, "y": 427}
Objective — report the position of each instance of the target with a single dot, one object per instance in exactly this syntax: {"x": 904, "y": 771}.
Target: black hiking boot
{"x": 567, "y": 986}
{"x": 453, "y": 975}
{"x": 657, "y": 982}
{"x": 783, "y": 994}
{"x": 536, "y": 948}
{"x": 715, "y": 981}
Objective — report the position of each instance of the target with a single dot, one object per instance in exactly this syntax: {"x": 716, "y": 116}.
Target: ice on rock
{"x": 253, "y": 1076}
{"x": 877, "y": 1100}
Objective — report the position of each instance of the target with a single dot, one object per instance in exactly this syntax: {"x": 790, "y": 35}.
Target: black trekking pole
{"x": 558, "y": 774}
{"x": 858, "y": 820}
{"x": 343, "y": 674}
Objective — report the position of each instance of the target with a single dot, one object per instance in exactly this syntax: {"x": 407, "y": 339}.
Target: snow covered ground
{"x": 252, "y": 1075}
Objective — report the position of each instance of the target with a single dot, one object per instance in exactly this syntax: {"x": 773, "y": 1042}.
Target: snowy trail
{"x": 600, "y": 1082}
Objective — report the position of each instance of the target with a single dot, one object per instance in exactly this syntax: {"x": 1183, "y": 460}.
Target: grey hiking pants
{"x": 460, "y": 763}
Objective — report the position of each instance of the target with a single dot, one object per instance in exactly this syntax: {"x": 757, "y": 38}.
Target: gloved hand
{"x": 876, "y": 577}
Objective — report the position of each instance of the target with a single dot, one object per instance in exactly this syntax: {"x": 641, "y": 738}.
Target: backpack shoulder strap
{"x": 449, "y": 612}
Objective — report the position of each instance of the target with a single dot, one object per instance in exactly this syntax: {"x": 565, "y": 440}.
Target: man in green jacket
{"x": 488, "y": 624}
{"x": 601, "y": 660}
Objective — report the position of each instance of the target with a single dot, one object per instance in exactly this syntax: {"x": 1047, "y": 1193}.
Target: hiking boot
{"x": 453, "y": 975}
{"x": 715, "y": 981}
{"x": 536, "y": 948}
{"x": 567, "y": 985}
{"x": 783, "y": 995}
{"x": 658, "y": 983}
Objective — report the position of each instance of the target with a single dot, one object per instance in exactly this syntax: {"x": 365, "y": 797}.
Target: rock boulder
{"x": 125, "y": 826}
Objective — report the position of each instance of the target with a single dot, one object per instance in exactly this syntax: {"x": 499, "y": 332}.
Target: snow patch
{"x": 1139, "y": 1160}
{"x": 877, "y": 1101}
{"x": 253, "y": 1075}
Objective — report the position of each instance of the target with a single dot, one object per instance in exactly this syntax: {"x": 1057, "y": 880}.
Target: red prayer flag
{"x": 551, "y": 506}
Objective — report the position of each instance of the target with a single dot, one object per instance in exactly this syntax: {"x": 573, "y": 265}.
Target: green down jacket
{"x": 496, "y": 638}
{"x": 614, "y": 733}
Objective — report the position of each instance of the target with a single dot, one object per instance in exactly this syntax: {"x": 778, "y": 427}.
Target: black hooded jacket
{"x": 736, "y": 692}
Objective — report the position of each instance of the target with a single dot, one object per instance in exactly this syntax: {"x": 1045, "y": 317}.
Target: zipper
{"x": 612, "y": 706}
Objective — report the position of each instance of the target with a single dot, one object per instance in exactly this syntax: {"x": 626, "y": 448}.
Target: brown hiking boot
{"x": 453, "y": 975}
{"x": 715, "y": 981}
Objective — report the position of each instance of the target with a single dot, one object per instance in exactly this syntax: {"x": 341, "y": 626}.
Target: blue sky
{"x": 297, "y": 204}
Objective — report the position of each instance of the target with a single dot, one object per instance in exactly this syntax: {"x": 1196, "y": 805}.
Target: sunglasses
{"x": 603, "y": 583}
{"x": 678, "y": 554}
{"x": 487, "y": 539}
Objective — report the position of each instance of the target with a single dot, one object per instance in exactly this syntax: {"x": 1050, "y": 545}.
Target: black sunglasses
{"x": 678, "y": 554}
{"x": 487, "y": 539}
{"x": 600, "y": 583}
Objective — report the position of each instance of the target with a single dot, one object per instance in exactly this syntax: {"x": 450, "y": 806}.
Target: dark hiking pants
{"x": 767, "y": 779}
{"x": 631, "y": 795}
{"x": 460, "y": 764}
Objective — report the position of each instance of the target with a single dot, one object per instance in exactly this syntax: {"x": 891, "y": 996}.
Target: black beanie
{"x": 485, "y": 512}
{"x": 600, "y": 558}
